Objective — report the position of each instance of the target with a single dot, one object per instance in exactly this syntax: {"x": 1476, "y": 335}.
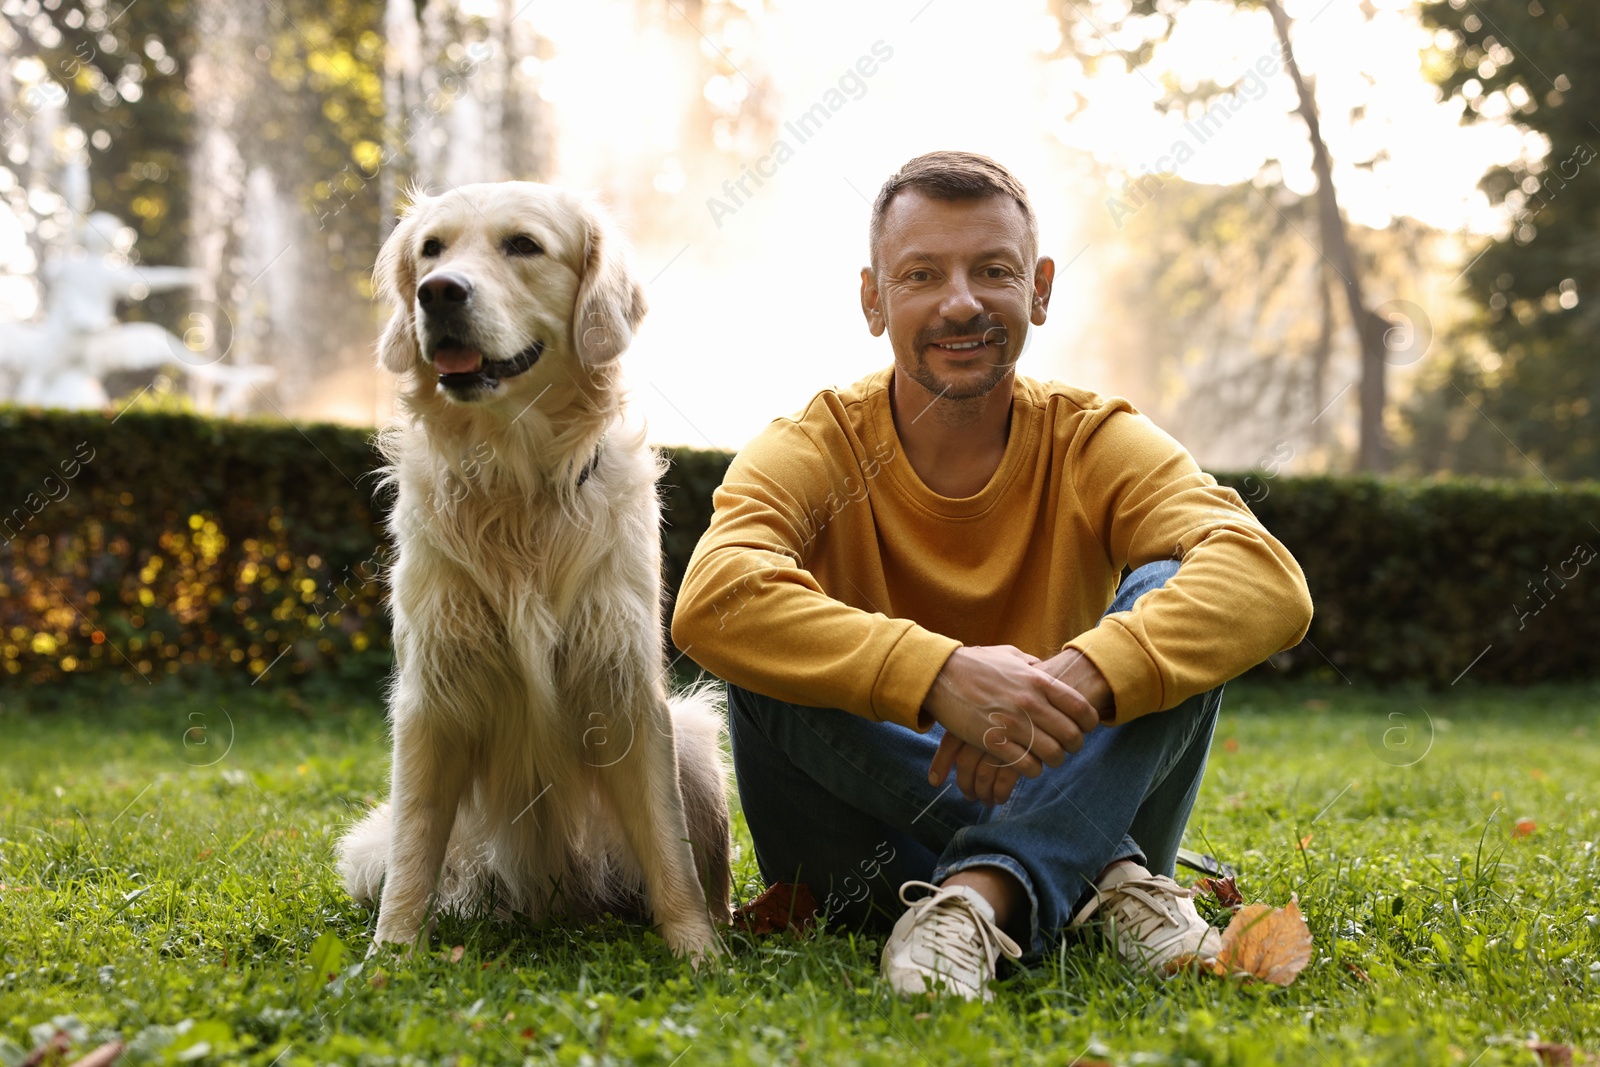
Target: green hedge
{"x": 159, "y": 544}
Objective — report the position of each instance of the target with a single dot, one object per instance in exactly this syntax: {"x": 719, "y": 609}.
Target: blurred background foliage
{"x": 1246, "y": 323}
{"x": 136, "y": 555}
{"x": 230, "y": 135}
{"x": 1527, "y": 357}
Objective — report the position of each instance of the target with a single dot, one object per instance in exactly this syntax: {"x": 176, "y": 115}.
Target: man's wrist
{"x": 926, "y": 715}
{"x": 1079, "y": 671}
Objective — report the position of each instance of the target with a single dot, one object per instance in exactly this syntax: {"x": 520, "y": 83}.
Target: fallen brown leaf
{"x": 1551, "y": 1054}
{"x": 784, "y": 906}
{"x": 457, "y": 952}
{"x": 1305, "y": 842}
{"x": 51, "y": 1051}
{"x": 103, "y": 1056}
{"x": 1223, "y": 890}
{"x": 1272, "y": 944}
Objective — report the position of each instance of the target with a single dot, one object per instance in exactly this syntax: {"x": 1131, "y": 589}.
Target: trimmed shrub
{"x": 158, "y": 544}
{"x": 1418, "y": 580}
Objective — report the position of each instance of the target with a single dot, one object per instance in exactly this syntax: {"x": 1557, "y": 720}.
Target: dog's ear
{"x": 394, "y": 280}
{"x": 610, "y": 303}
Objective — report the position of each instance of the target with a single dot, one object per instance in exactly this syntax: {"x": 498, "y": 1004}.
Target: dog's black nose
{"x": 443, "y": 287}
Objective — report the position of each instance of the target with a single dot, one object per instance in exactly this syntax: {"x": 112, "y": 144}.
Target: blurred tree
{"x": 1213, "y": 292}
{"x": 1522, "y": 385}
{"x": 1153, "y": 22}
{"x": 1236, "y": 323}
{"x": 269, "y": 145}
{"x": 124, "y": 79}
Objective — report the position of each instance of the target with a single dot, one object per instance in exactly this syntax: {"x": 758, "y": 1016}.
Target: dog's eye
{"x": 523, "y": 245}
{"x": 432, "y": 247}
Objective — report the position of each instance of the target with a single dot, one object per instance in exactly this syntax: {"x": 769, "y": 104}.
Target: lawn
{"x": 166, "y": 875}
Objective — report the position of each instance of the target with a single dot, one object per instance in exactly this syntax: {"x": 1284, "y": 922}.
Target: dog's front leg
{"x": 430, "y": 774}
{"x": 642, "y": 788}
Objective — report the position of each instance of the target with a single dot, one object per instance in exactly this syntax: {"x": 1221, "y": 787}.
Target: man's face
{"x": 955, "y": 290}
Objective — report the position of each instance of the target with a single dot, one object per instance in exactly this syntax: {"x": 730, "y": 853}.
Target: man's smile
{"x": 965, "y": 353}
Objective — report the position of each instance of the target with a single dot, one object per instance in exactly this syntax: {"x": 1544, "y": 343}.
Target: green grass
{"x": 193, "y": 908}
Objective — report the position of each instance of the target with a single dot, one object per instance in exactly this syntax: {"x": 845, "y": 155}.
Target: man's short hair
{"x": 953, "y": 176}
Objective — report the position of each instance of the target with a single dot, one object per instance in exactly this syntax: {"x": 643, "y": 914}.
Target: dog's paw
{"x": 398, "y": 942}
{"x": 394, "y": 949}
{"x": 701, "y": 945}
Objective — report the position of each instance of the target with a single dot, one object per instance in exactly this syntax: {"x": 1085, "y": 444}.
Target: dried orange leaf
{"x": 1223, "y": 890}
{"x": 103, "y": 1056}
{"x": 1272, "y": 944}
{"x": 1524, "y": 828}
{"x": 1551, "y": 1054}
{"x": 784, "y": 906}
{"x": 51, "y": 1051}
{"x": 457, "y": 952}
{"x": 1304, "y": 842}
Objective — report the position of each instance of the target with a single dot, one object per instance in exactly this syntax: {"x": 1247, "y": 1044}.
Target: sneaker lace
{"x": 1145, "y": 905}
{"x": 955, "y": 931}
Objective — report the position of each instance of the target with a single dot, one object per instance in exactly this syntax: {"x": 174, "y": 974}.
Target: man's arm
{"x": 1238, "y": 596}
{"x": 1007, "y": 715}
{"x": 752, "y": 614}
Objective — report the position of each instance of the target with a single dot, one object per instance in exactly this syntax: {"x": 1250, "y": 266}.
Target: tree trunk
{"x": 1369, "y": 328}
{"x": 1320, "y": 356}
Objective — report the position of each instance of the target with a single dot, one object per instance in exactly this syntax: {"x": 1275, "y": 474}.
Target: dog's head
{"x": 502, "y": 290}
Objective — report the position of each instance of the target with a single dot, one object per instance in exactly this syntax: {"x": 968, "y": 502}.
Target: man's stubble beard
{"x": 923, "y": 375}
{"x": 953, "y": 406}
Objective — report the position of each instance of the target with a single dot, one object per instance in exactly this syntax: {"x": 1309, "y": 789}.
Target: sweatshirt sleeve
{"x": 1238, "y": 595}
{"x": 752, "y": 614}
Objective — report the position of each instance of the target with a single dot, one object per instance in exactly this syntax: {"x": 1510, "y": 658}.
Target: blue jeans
{"x": 843, "y": 803}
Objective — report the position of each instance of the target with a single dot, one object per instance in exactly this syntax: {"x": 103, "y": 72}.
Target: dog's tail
{"x": 363, "y": 853}
{"x": 697, "y": 718}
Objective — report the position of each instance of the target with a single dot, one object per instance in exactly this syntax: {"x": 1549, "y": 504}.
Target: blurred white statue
{"x": 62, "y": 361}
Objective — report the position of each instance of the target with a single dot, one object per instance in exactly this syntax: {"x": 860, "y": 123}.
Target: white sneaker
{"x": 1151, "y": 919}
{"x": 946, "y": 942}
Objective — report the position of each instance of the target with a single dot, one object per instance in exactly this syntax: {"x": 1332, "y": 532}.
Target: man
{"x": 919, "y": 575}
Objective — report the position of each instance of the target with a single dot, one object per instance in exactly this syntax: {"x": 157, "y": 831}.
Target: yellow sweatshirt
{"x": 831, "y": 576}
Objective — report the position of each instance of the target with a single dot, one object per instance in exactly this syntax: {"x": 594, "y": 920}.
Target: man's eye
{"x": 523, "y": 245}
{"x": 919, "y": 276}
{"x": 996, "y": 272}
{"x": 432, "y": 247}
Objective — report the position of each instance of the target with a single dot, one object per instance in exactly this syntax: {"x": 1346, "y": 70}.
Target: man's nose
{"x": 443, "y": 290}
{"x": 958, "y": 303}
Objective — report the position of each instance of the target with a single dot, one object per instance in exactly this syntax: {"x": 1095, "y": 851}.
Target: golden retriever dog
{"x": 538, "y": 760}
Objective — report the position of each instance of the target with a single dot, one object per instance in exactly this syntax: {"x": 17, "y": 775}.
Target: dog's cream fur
{"x": 537, "y": 757}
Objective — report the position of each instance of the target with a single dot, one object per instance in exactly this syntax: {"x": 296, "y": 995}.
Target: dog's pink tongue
{"x": 457, "y": 360}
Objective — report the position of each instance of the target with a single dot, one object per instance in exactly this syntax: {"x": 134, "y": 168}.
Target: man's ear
{"x": 394, "y": 280}
{"x": 870, "y": 306}
{"x": 1044, "y": 277}
{"x": 610, "y": 303}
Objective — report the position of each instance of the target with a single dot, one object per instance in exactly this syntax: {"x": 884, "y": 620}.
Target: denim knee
{"x": 1140, "y": 581}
